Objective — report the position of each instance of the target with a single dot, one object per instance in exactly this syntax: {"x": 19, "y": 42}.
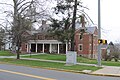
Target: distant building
{"x": 42, "y": 42}
{"x": 7, "y": 42}
{"x": 85, "y": 44}
{"x": 105, "y": 51}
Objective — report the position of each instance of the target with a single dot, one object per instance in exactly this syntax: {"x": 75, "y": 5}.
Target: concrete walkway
{"x": 105, "y": 71}
{"x": 108, "y": 71}
{"x": 58, "y": 61}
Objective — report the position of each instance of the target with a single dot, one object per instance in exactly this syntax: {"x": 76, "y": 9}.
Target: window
{"x": 80, "y": 47}
{"x": 90, "y": 38}
{"x": 90, "y": 47}
{"x": 40, "y": 37}
{"x": 81, "y": 36}
{"x": 95, "y": 47}
{"x": 26, "y": 46}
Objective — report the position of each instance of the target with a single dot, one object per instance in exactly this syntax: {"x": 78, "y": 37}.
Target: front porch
{"x": 46, "y": 46}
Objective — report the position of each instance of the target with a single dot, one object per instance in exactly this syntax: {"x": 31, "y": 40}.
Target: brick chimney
{"x": 83, "y": 20}
{"x": 43, "y": 22}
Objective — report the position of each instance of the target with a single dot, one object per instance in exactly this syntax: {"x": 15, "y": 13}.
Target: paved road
{"x": 12, "y": 72}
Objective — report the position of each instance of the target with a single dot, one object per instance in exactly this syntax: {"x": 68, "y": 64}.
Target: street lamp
{"x": 99, "y": 33}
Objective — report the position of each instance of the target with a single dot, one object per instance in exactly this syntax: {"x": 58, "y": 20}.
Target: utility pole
{"x": 99, "y": 33}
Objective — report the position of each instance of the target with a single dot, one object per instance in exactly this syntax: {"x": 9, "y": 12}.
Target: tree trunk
{"x": 73, "y": 26}
{"x": 18, "y": 46}
{"x": 18, "y": 54}
{"x": 18, "y": 50}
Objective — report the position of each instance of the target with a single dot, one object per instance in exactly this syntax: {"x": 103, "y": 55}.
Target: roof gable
{"x": 91, "y": 30}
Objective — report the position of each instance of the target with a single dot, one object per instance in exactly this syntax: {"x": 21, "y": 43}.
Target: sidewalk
{"x": 58, "y": 61}
{"x": 108, "y": 71}
{"x": 105, "y": 71}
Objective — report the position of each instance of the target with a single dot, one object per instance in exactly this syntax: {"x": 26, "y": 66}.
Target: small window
{"x": 26, "y": 46}
{"x": 90, "y": 47}
{"x": 81, "y": 36}
{"x": 80, "y": 47}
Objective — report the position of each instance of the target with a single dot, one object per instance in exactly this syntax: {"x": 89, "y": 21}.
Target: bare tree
{"x": 114, "y": 52}
{"x": 2, "y": 34}
{"x": 24, "y": 14}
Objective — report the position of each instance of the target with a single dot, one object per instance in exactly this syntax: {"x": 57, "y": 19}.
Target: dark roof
{"x": 90, "y": 29}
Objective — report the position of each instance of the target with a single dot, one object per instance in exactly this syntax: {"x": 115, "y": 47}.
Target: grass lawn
{"x": 48, "y": 57}
{"x": 61, "y": 58}
{"x": 6, "y": 53}
{"x": 79, "y": 59}
{"x": 111, "y": 63}
{"x": 49, "y": 64}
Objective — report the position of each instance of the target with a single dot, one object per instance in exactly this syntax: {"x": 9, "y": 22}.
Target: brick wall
{"x": 24, "y": 47}
{"x": 89, "y": 44}
{"x": 84, "y": 42}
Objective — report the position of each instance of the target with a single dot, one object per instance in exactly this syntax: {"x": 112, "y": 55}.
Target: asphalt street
{"x": 13, "y": 72}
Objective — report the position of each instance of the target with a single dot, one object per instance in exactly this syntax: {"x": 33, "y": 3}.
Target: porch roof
{"x": 45, "y": 41}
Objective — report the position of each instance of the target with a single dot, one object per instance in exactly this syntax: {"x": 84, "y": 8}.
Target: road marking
{"x": 28, "y": 75}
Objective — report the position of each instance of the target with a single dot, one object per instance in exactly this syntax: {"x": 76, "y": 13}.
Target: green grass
{"x": 49, "y": 57}
{"x": 111, "y": 63}
{"x": 79, "y": 59}
{"x": 6, "y": 53}
{"x": 49, "y": 64}
{"x": 86, "y": 60}
{"x": 61, "y": 58}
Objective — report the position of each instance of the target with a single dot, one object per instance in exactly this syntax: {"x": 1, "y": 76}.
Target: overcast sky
{"x": 110, "y": 15}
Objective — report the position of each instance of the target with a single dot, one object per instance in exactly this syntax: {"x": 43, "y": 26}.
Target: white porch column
{"x": 36, "y": 48}
{"x": 66, "y": 47}
{"x": 50, "y": 48}
{"x": 43, "y": 48}
{"x": 58, "y": 48}
{"x": 28, "y": 47}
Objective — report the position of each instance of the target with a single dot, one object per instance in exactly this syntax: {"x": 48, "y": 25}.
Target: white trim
{"x": 46, "y": 41}
{"x": 50, "y": 48}
{"x": 81, "y": 36}
{"x": 36, "y": 48}
{"x": 27, "y": 47}
{"x": 30, "y": 47}
{"x": 90, "y": 46}
{"x": 66, "y": 47}
{"x": 43, "y": 48}
{"x": 79, "y": 47}
{"x": 58, "y": 48}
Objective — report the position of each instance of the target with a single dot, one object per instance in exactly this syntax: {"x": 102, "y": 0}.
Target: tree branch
{"x": 7, "y": 4}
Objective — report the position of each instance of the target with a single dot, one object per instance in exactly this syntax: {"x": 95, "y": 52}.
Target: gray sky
{"x": 109, "y": 16}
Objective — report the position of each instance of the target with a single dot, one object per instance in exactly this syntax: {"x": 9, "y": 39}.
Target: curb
{"x": 111, "y": 75}
{"x": 73, "y": 71}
